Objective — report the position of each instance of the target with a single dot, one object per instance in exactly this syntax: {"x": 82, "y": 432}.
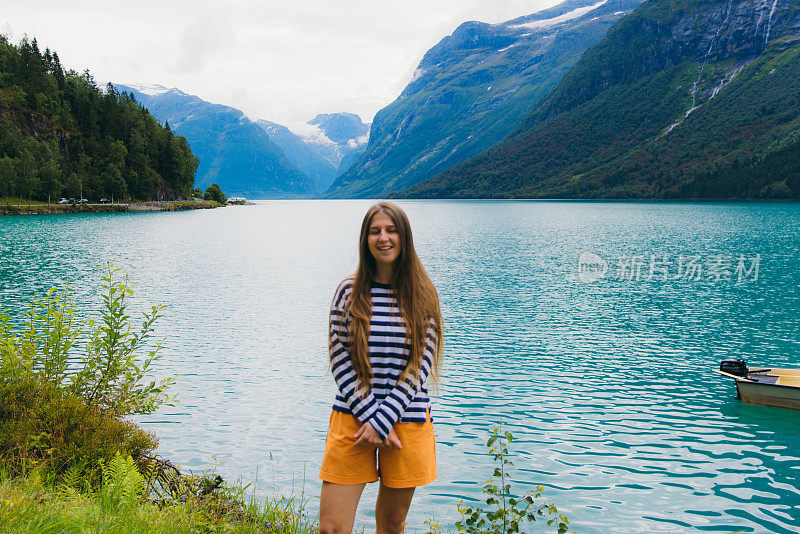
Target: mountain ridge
{"x": 680, "y": 94}
{"x": 233, "y": 151}
{"x": 470, "y": 91}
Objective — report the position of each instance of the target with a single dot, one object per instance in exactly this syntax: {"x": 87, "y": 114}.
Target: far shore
{"x": 45, "y": 209}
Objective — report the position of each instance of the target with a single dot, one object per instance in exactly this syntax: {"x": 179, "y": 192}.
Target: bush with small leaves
{"x": 46, "y": 428}
{"x": 116, "y": 360}
{"x": 66, "y": 383}
{"x": 506, "y": 513}
{"x": 214, "y": 192}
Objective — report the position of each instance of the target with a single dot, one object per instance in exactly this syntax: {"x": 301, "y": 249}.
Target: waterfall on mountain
{"x": 705, "y": 59}
{"x": 769, "y": 22}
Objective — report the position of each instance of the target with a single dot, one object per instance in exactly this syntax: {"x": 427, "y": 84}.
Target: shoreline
{"x": 57, "y": 209}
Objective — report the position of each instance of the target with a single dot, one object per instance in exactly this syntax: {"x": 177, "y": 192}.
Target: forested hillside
{"x": 61, "y": 135}
{"x": 681, "y": 99}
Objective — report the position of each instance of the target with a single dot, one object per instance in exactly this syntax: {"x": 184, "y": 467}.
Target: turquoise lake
{"x": 608, "y": 385}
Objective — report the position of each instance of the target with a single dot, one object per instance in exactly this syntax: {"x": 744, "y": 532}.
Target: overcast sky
{"x": 273, "y": 59}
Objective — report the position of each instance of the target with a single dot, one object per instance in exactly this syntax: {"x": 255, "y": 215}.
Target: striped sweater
{"x": 388, "y": 401}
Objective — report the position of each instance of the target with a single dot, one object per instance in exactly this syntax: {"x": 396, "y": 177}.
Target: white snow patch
{"x": 489, "y": 88}
{"x": 309, "y": 133}
{"x": 574, "y": 14}
{"x": 619, "y": 12}
{"x": 417, "y": 74}
{"x": 506, "y": 48}
{"x": 148, "y": 89}
{"x": 360, "y": 140}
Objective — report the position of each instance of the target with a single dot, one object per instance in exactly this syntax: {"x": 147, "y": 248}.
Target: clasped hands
{"x": 367, "y": 434}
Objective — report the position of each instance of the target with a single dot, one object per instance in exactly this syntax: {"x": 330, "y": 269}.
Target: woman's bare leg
{"x": 337, "y": 507}
{"x": 392, "y": 508}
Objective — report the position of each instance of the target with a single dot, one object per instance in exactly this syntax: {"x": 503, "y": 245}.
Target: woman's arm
{"x": 392, "y": 407}
{"x": 363, "y": 407}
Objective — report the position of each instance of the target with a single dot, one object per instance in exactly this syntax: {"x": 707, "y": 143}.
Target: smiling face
{"x": 383, "y": 239}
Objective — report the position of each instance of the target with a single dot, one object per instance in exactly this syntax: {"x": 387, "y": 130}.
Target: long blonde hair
{"x": 416, "y": 298}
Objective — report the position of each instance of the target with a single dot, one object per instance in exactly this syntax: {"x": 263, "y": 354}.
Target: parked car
{"x": 71, "y": 201}
{"x": 63, "y": 201}
{"x": 104, "y": 200}
{"x": 83, "y": 201}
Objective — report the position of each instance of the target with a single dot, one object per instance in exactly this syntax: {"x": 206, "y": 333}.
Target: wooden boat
{"x": 773, "y": 386}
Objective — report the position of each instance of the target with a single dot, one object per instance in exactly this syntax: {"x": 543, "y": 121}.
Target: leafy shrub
{"x": 113, "y": 372}
{"x": 213, "y": 192}
{"x": 505, "y": 512}
{"x": 62, "y": 411}
{"x": 44, "y": 427}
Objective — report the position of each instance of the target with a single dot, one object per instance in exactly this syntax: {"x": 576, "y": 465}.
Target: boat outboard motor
{"x": 734, "y": 366}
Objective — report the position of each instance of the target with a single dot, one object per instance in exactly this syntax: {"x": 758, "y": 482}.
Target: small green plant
{"x": 66, "y": 383}
{"x": 123, "y": 484}
{"x": 115, "y": 358}
{"x": 433, "y": 526}
{"x": 505, "y": 512}
{"x": 42, "y": 343}
{"x": 113, "y": 373}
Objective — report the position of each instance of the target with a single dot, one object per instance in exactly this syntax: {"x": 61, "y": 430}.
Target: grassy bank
{"x": 190, "y": 205}
{"x": 29, "y": 505}
{"x": 11, "y": 207}
{"x": 44, "y": 209}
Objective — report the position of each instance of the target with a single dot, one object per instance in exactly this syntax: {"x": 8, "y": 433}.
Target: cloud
{"x": 202, "y": 43}
{"x": 283, "y": 61}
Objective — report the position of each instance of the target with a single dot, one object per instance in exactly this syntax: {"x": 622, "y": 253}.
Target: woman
{"x": 385, "y": 343}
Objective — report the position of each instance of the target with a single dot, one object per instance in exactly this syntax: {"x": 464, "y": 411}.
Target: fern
{"x": 122, "y": 483}
{"x": 73, "y": 476}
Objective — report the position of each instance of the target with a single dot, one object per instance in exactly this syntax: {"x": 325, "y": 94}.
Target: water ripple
{"x": 608, "y": 387}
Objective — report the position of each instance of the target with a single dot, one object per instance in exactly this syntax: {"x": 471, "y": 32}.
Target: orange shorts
{"x": 413, "y": 465}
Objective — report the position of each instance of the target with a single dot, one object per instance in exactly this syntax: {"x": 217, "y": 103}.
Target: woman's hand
{"x": 367, "y": 434}
{"x": 392, "y": 441}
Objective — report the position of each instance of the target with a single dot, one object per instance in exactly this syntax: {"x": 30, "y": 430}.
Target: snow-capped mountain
{"x": 471, "y": 90}
{"x": 234, "y": 152}
{"x": 259, "y": 159}
{"x": 680, "y": 99}
{"x": 323, "y": 147}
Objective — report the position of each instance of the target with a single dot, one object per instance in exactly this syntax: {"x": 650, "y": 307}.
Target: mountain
{"x": 323, "y": 146}
{"x": 681, "y": 99}
{"x": 471, "y": 90}
{"x": 234, "y": 152}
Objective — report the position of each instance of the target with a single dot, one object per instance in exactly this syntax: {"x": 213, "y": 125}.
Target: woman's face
{"x": 383, "y": 240}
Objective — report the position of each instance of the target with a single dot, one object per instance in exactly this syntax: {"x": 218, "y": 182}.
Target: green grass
{"x": 191, "y": 205}
{"x": 13, "y": 201}
{"x": 28, "y": 505}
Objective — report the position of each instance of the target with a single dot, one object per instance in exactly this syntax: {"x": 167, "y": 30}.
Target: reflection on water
{"x": 608, "y": 387}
